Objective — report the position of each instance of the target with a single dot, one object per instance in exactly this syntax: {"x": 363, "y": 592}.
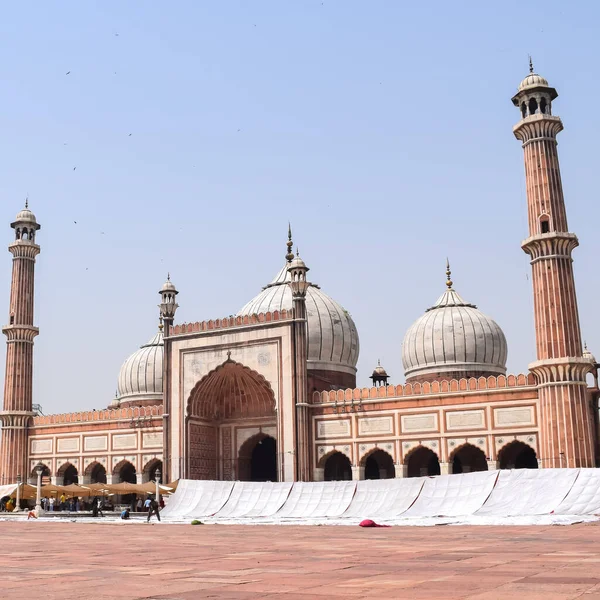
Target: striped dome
{"x": 141, "y": 376}
{"x": 333, "y": 343}
{"x": 453, "y": 337}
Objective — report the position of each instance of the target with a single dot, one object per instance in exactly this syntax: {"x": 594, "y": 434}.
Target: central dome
{"x": 333, "y": 343}
{"x": 453, "y": 339}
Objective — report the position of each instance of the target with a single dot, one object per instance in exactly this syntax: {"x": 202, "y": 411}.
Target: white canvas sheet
{"x": 7, "y": 490}
{"x": 383, "y": 498}
{"x": 195, "y": 499}
{"x": 584, "y": 496}
{"x": 251, "y": 500}
{"x": 522, "y": 492}
{"x": 317, "y": 499}
{"x": 453, "y": 495}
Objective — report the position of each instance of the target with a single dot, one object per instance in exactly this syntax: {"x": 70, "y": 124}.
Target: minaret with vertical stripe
{"x": 560, "y": 370}
{"x": 17, "y": 412}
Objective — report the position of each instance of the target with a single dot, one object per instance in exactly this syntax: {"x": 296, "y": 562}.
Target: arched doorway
{"x": 70, "y": 475}
{"x": 379, "y": 465}
{"x": 517, "y": 455}
{"x": 150, "y": 470}
{"x": 231, "y": 395}
{"x": 45, "y": 475}
{"x": 125, "y": 471}
{"x": 422, "y": 462}
{"x": 258, "y": 459}
{"x": 468, "y": 458}
{"x": 96, "y": 472}
{"x": 338, "y": 467}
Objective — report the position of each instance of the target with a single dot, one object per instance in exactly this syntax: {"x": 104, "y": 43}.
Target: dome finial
{"x": 289, "y": 255}
{"x": 448, "y": 273}
{"x": 168, "y": 276}
{"x": 160, "y": 323}
{"x": 27, "y": 201}
{"x": 530, "y": 64}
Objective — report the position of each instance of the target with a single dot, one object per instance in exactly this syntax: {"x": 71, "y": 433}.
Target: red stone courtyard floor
{"x": 66, "y": 560}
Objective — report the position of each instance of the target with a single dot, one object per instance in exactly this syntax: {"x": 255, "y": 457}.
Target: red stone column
{"x": 565, "y": 417}
{"x": 20, "y": 332}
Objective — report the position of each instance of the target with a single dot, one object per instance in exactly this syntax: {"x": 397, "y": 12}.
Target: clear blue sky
{"x": 381, "y": 129}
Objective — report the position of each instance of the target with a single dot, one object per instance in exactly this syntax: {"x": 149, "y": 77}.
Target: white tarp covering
{"x": 584, "y": 496}
{"x": 528, "y": 492}
{"x": 523, "y": 497}
{"x": 317, "y": 499}
{"x": 383, "y": 498}
{"x": 7, "y": 490}
{"x": 452, "y": 495}
{"x": 251, "y": 500}
{"x": 196, "y": 499}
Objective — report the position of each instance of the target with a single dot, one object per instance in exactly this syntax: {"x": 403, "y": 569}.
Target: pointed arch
{"x": 125, "y": 471}
{"x": 150, "y": 469}
{"x": 257, "y": 459}
{"x": 422, "y": 461}
{"x": 231, "y": 391}
{"x": 96, "y": 471}
{"x": 337, "y": 466}
{"x": 378, "y": 464}
{"x": 517, "y": 455}
{"x": 468, "y": 458}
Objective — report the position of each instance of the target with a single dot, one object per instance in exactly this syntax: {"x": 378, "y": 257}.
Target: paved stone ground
{"x": 51, "y": 560}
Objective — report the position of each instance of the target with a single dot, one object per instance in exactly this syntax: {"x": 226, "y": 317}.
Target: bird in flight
{"x": 68, "y": 73}
{"x": 74, "y": 168}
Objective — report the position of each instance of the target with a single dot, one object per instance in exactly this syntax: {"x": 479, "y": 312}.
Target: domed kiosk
{"x": 452, "y": 340}
{"x": 333, "y": 344}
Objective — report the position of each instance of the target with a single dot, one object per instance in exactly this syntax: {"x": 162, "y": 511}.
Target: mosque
{"x": 270, "y": 393}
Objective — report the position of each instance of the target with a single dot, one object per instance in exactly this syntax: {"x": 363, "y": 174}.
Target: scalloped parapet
{"x": 232, "y": 322}
{"x": 92, "y": 416}
{"x": 421, "y": 389}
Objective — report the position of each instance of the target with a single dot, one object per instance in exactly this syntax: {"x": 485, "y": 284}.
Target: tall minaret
{"x": 560, "y": 370}
{"x": 20, "y": 333}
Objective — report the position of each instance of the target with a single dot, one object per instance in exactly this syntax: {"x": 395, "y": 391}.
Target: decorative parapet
{"x": 92, "y": 416}
{"x": 232, "y": 322}
{"x": 421, "y": 389}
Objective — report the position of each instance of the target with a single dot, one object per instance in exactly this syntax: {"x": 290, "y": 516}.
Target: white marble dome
{"x": 141, "y": 376}
{"x": 533, "y": 80}
{"x": 453, "y": 337}
{"x": 333, "y": 343}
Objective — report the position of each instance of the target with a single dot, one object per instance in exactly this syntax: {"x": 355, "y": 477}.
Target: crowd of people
{"x": 96, "y": 505}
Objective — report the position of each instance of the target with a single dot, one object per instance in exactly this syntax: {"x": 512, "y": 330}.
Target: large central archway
{"x": 232, "y": 394}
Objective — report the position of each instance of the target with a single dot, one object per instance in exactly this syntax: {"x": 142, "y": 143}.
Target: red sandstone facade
{"x": 264, "y": 395}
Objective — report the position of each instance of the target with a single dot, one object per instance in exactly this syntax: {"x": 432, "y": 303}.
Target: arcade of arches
{"x": 230, "y": 398}
{"x": 422, "y": 461}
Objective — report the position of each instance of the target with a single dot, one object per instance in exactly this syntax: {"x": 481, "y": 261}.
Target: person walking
{"x": 153, "y": 509}
{"x": 139, "y": 505}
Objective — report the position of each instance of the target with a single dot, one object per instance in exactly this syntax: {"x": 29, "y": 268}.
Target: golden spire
{"x": 160, "y": 323}
{"x": 448, "y": 273}
{"x": 290, "y": 255}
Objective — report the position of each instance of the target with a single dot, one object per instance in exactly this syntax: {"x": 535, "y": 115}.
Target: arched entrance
{"x": 230, "y": 396}
{"x": 379, "y": 465}
{"x": 258, "y": 459}
{"x": 45, "y": 475}
{"x": 422, "y": 462}
{"x": 517, "y": 455}
{"x": 125, "y": 471}
{"x": 150, "y": 470}
{"x": 96, "y": 473}
{"x": 468, "y": 458}
{"x": 337, "y": 467}
{"x": 69, "y": 474}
